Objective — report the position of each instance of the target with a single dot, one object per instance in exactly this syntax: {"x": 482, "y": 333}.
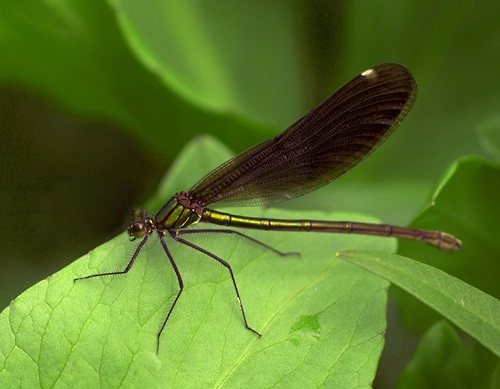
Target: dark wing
{"x": 323, "y": 145}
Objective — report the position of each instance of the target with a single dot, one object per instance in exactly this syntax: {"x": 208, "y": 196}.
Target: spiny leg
{"x": 181, "y": 288}
{"x": 228, "y": 267}
{"x": 126, "y": 270}
{"x": 228, "y": 231}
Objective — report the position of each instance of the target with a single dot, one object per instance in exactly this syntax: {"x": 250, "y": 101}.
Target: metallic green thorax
{"x": 180, "y": 211}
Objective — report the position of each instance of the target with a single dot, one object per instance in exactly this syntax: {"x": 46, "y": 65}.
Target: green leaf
{"x": 203, "y": 60}
{"x": 466, "y": 205}
{"x": 472, "y": 310}
{"x": 489, "y": 136}
{"x": 74, "y": 52}
{"x": 155, "y": 69}
{"x": 322, "y": 320}
{"x": 442, "y": 360}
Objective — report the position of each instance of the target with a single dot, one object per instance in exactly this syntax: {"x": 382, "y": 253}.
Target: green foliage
{"x": 167, "y": 71}
{"x": 475, "y": 312}
{"x": 442, "y": 360}
{"x": 320, "y": 317}
{"x": 465, "y": 204}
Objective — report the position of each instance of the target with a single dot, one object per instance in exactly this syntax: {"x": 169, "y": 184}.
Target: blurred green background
{"x": 97, "y": 98}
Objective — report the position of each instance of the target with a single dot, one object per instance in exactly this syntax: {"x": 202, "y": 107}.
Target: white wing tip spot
{"x": 370, "y": 73}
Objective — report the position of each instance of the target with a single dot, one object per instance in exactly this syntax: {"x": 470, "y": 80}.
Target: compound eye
{"x": 137, "y": 230}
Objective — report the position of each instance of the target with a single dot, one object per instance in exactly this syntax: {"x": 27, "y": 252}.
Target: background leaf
{"x": 473, "y": 311}
{"x": 465, "y": 205}
{"x": 489, "y": 136}
{"x": 443, "y": 360}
